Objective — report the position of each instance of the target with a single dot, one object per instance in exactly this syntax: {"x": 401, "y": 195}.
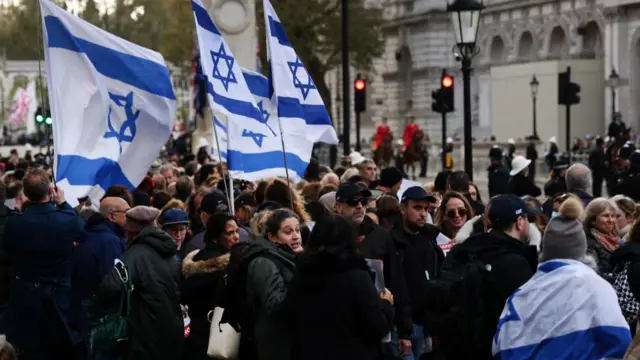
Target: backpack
{"x": 456, "y": 311}
{"x": 628, "y": 303}
{"x": 110, "y": 336}
{"x": 238, "y": 312}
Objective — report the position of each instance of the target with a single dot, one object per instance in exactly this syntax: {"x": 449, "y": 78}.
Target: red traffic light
{"x": 359, "y": 84}
{"x": 447, "y": 81}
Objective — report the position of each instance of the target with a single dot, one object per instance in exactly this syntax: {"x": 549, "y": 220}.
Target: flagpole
{"x": 215, "y": 134}
{"x": 230, "y": 193}
{"x": 44, "y": 101}
{"x": 286, "y": 167}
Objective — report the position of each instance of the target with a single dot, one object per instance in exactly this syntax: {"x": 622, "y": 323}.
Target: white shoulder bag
{"x": 224, "y": 340}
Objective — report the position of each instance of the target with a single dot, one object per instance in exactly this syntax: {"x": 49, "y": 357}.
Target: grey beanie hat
{"x": 564, "y": 237}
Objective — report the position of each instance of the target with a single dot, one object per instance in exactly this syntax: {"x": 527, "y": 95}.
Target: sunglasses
{"x": 355, "y": 202}
{"x": 455, "y": 212}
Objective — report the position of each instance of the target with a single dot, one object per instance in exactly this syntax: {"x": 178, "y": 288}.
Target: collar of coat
{"x": 190, "y": 267}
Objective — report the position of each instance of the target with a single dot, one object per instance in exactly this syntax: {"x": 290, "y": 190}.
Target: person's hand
{"x": 58, "y": 195}
{"x": 404, "y": 347}
{"x": 386, "y": 295}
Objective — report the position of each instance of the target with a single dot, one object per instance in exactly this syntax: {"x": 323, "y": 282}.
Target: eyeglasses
{"x": 355, "y": 202}
{"x": 176, "y": 229}
{"x": 462, "y": 212}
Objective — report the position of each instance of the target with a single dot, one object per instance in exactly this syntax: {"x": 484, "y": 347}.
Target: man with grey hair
{"x": 578, "y": 179}
{"x": 368, "y": 171}
{"x": 169, "y": 172}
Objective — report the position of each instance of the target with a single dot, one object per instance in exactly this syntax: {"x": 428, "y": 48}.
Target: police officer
{"x": 556, "y": 184}
{"x": 498, "y": 173}
{"x": 598, "y": 165}
{"x": 629, "y": 183}
{"x": 621, "y": 169}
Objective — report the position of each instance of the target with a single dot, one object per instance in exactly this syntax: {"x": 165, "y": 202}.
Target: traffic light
{"x": 568, "y": 92}
{"x": 443, "y": 98}
{"x": 446, "y": 92}
{"x": 360, "y": 94}
{"x": 39, "y": 116}
{"x": 48, "y": 119}
{"x": 436, "y": 104}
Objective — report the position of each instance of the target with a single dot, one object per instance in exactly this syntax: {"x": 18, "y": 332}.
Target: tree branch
{"x": 322, "y": 17}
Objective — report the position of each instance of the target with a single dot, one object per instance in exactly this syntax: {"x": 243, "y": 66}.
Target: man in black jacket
{"x": 510, "y": 263}
{"x": 421, "y": 256}
{"x": 374, "y": 242}
{"x": 498, "y": 173}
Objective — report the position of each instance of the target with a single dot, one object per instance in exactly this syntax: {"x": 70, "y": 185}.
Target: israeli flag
{"x": 565, "y": 311}
{"x": 259, "y": 87}
{"x": 112, "y": 104}
{"x": 299, "y": 103}
{"x": 254, "y": 148}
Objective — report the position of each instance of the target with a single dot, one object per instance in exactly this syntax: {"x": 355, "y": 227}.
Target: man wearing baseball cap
{"x": 417, "y": 246}
{"x": 375, "y": 243}
{"x": 508, "y": 262}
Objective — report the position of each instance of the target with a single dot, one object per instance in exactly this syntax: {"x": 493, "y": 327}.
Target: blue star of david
{"x": 217, "y": 74}
{"x": 121, "y": 135}
{"x": 512, "y": 315}
{"x": 256, "y": 137}
{"x": 265, "y": 113}
{"x": 304, "y": 88}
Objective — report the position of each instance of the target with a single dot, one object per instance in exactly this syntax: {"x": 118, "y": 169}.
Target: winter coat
{"x": 92, "y": 260}
{"x": 512, "y": 264}
{"x": 157, "y": 328}
{"x": 600, "y": 253}
{"x": 520, "y": 185}
{"x": 267, "y": 284}
{"x": 375, "y": 242}
{"x": 498, "y": 180}
{"x": 421, "y": 258}
{"x": 5, "y": 261}
{"x": 629, "y": 253}
{"x": 584, "y": 196}
{"x": 202, "y": 271}
{"x": 40, "y": 243}
{"x": 335, "y": 310}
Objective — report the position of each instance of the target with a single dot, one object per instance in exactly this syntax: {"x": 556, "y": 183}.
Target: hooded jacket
{"x": 202, "y": 272}
{"x": 267, "y": 284}
{"x": 157, "y": 328}
{"x": 512, "y": 264}
{"x": 336, "y": 294}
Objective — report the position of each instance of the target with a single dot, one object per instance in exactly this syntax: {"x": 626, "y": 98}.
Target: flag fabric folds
{"x": 300, "y": 105}
{"x": 565, "y": 311}
{"x": 112, "y": 103}
{"x": 254, "y": 148}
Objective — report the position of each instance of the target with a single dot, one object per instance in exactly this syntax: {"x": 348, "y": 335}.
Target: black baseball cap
{"x": 214, "y": 202}
{"x": 349, "y": 191}
{"x": 417, "y": 193}
{"x": 506, "y": 209}
{"x": 245, "y": 199}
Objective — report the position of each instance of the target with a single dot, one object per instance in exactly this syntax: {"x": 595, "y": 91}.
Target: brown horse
{"x": 414, "y": 153}
{"x": 383, "y": 154}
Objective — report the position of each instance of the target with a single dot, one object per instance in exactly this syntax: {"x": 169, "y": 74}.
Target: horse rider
{"x": 617, "y": 126}
{"x": 382, "y": 131}
{"x": 410, "y": 131}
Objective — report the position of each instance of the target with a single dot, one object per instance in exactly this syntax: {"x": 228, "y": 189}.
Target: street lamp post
{"x": 465, "y": 17}
{"x": 534, "y": 96}
{"x": 614, "y": 81}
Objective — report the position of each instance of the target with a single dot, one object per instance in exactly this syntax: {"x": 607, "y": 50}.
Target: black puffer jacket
{"x": 157, "y": 329}
{"x": 602, "y": 255}
{"x": 202, "y": 272}
{"x": 335, "y": 310}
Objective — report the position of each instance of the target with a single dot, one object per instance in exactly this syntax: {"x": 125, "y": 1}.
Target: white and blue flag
{"x": 254, "y": 148}
{"x": 300, "y": 105}
{"x": 566, "y": 311}
{"x": 112, "y": 104}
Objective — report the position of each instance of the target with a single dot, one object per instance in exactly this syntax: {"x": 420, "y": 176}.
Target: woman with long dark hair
{"x": 202, "y": 273}
{"x": 335, "y": 310}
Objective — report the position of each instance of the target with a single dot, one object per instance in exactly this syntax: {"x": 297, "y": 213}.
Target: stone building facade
{"x": 420, "y": 41}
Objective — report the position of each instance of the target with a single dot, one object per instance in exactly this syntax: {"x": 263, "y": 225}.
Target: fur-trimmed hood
{"x": 190, "y": 267}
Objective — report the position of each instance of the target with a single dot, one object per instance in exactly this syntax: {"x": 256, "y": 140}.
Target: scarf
{"x": 610, "y": 242}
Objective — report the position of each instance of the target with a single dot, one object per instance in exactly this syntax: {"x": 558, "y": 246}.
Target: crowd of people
{"x": 344, "y": 264}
